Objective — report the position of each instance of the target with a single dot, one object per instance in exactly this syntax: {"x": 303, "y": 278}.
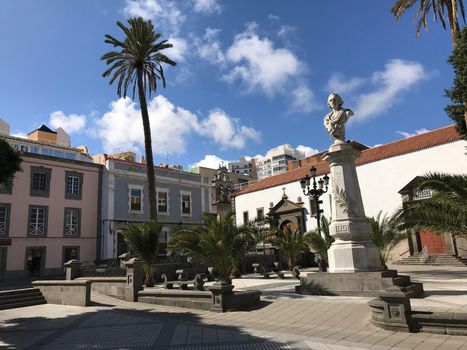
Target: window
{"x": 162, "y": 202}
{"x": 40, "y": 181}
{"x": 260, "y": 213}
{"x": 135, "y": 195}
{"x": 185, "y": 203}
{"x": 72, "y": 222}
{"x": 7, "y": 187}
{"x": 73, "y": 185}
{"x": 163, "y": 238}
{"x": 70, "y": 253}
{"x": 37, "y": 221}
{"x": 47, "y": 152}
{"x": 4, "y": 218}
{"x": 422, "y": 194}
{"x": 245, "y": 217}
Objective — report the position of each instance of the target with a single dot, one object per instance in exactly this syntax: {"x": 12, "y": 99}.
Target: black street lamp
{"x": 314, "y": 191}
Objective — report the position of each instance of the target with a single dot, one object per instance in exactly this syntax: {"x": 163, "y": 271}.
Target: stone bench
{"x": 197, "y": 282}
{"x": 267, "y": 272}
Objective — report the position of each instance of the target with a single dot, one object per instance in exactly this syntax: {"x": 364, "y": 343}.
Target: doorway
{"x": 35, "y": 261}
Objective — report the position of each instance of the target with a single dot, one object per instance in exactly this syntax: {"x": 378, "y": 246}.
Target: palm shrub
{"x": 291, "y": 242}
{"x": 320, "y": 243}
{"x": 143, "y": 239}
{"x": 139, "y": 63}
{"x": 445, "y": 211}
{"x": 385, "y": 234}
{"x": 218, "y": 243}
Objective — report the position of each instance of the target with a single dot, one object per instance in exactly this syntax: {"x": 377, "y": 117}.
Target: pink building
{"x": 49, "y": 213}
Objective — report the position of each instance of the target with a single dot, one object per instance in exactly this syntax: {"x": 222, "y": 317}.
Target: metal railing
{"x": 109, "y": 268}
{"x": 424, "y": 255}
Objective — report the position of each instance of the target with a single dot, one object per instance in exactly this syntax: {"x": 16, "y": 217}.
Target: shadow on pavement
{"x": 118, "y": 328}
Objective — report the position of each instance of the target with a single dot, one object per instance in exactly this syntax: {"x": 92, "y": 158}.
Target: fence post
{"x": 72, "y": 269}
{"x": 134, "y": 279}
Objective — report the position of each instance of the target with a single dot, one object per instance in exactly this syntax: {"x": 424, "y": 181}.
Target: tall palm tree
{"x": 454, "y": 8}
{"x": 385, "y": 234}
{"x": 219, "y": 243}
{"x": 138, "y": 63}
{"x": 143, "y": 239}
{"x": 445, "y": 211}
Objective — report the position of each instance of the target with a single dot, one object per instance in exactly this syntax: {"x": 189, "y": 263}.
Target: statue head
{"x": 335, "y": 101}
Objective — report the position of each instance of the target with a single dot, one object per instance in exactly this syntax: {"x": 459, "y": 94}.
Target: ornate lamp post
{"x": 314, "y": 191}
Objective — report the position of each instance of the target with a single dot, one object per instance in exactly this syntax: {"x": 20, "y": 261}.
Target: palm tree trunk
{"x": 148, "y": 149}
{"x": 452, "y": 16}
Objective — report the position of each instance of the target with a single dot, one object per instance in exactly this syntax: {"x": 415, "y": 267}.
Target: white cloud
{"x": 209, "y": 47}
{"x": 337, "y": 83}
{"x": 303, "y": 100}
{"x": 307, "y": 150}
{"x": 227, "y": 131}
{"x": 71, "y": 123}
{"x": 285, "y": 31}
{"x": 210, "y": 161}
{"x": 121, "y": 128}
{"x": 410, "y": 134}
{"x": 20, "y": 134}
{"x": 178, "y": 51}
{"x": 397, "y": 77}
{"x": 261, "y": 66}
{"x": 165, "y": 13}
{"x": 207, "y": 6}
{"x": 273, "y": 17}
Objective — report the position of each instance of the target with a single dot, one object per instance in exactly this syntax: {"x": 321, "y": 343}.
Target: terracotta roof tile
{"x": 429, "y": 139}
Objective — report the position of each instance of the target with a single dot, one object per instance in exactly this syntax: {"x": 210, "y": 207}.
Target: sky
{"x": 250, "y": 74}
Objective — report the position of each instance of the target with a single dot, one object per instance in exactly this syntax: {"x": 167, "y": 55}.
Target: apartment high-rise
{"x": 275, "y": 160}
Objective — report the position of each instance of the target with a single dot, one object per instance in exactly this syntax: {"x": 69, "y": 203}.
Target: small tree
{"x": 385, "y": 234}
{"x": 319, "y": 244}
{"x": 219, "y": 243}
{"x": 143, "y": 239}
{"x": 457, "y": 111}
{"x": 291, "y": 242}
{"x": 10, "y": 162}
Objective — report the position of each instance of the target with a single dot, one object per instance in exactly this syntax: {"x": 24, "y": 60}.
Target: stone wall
{"x": 75, "y": 292}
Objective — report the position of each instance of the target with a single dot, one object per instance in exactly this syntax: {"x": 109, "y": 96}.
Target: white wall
{"x": 379, "y": 181}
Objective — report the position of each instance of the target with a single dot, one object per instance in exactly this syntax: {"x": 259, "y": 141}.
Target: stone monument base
{"x": 353, "y": 256}
{"x": 363, "y": 284}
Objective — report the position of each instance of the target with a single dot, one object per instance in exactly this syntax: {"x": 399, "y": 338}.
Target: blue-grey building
{"x": 182, "y": 198}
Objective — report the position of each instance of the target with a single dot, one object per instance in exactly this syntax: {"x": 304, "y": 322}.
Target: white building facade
{"x": 275, "y": 160}
{"x": 382, "y": 172}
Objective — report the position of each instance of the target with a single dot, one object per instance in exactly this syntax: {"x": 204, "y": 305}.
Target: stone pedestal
{"x": 220, "y": 292}
{"x": 352, "y": 251}
{"x": 134, "y": 279}
{"x": 392, "y": 310}
{"x": 72, "y": 269}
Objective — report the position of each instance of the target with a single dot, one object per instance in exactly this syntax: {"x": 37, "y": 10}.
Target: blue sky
{"x": 251, "y": 74}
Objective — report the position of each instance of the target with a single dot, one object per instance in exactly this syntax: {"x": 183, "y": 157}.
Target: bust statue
{"x": 335, "y": 120}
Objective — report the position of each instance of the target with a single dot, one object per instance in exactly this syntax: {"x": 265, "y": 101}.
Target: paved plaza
{"x": 283, "y": 321}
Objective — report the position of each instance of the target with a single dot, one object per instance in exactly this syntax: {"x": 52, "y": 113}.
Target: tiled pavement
{"x": 284, "y": 321}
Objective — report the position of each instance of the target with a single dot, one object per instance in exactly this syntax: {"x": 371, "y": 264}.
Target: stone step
{"x": 17, "y": 299}
{"x": 22, "y": 304}
{"x": 435, "y": 260}
{"x": 20, "y": 298}
{"x": 20, "y": 293}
